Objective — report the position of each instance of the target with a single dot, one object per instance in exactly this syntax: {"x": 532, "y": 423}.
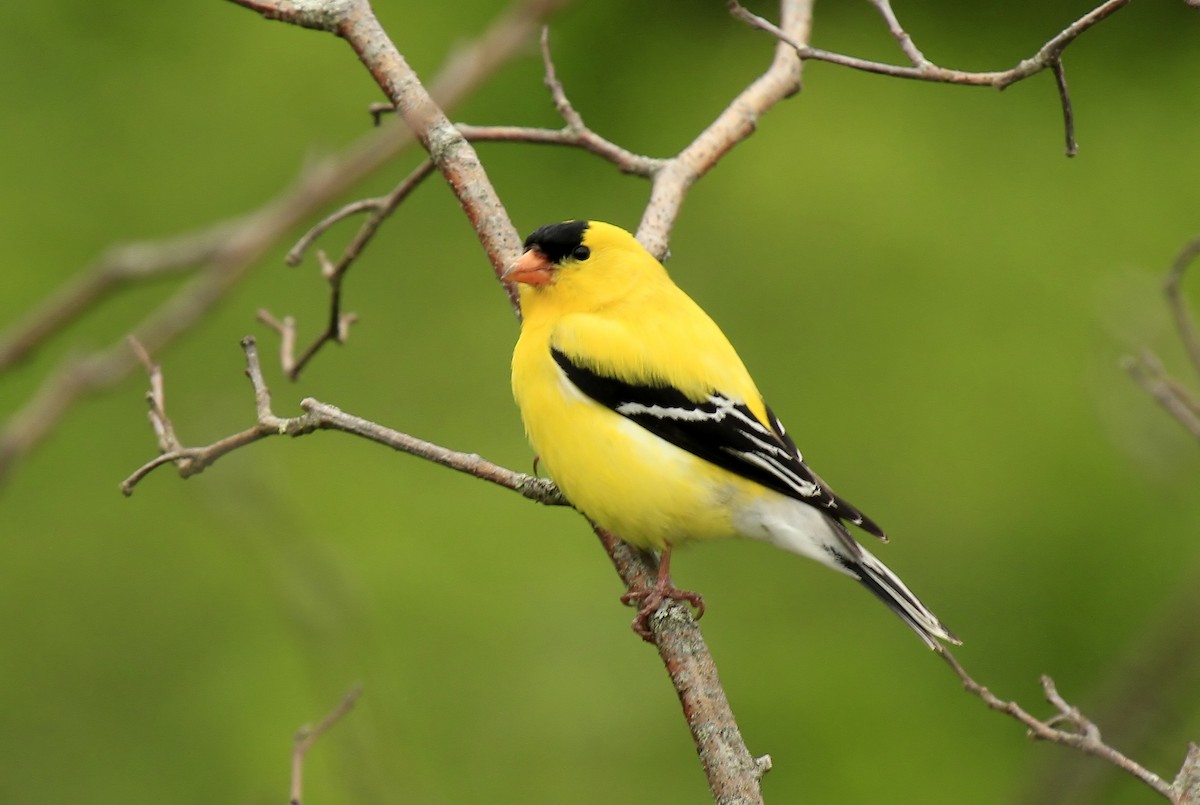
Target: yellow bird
{"x": 644, "y": 415}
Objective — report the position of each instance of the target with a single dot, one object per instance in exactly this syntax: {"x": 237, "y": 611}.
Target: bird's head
{"x": 581, "y": 265}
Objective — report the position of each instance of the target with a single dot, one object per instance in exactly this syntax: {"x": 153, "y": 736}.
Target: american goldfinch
{"x": 644, "y": 415}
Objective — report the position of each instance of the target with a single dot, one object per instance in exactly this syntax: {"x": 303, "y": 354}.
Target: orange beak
{"x": 531, "y": 269}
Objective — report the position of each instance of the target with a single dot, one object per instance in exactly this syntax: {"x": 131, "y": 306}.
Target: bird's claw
{"x": 652, "y": 598}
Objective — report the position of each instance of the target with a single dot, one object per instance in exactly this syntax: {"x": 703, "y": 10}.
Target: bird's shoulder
{"x": 659, "y": 339}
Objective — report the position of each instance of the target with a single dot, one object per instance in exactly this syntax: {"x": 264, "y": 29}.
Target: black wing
{"x": 718, "y": 430}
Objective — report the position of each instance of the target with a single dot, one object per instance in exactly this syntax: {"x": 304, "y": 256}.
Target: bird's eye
{"x": 581, "y": 253}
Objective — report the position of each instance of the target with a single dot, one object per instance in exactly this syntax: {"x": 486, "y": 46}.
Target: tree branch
{"x": 322, "y": 416}
{"x": 1147, "y": 370}
{"x": 338, "y": 323}
{"x": 1077, "y": 731}
{"x": 1049, "y": 56}
{"x": 1172, "y": 287}
{"x": 694, "y": 676}
{"x": 306, "y": 736}
{"x": 737, "y": 122}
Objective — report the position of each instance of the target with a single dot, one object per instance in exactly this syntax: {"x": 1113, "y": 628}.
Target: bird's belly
{"x": 629, "y": 481}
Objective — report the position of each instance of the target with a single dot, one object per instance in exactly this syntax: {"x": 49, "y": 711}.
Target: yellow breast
{"x": 625, "y": 479}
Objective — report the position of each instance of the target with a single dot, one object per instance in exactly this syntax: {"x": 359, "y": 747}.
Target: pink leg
{"x": 651, "y": 599}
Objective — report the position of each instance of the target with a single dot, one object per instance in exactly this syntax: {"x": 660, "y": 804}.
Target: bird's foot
{"x": 650, "y": 599}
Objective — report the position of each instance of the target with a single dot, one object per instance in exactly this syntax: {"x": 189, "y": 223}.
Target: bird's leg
{"x": 652, "y": 598}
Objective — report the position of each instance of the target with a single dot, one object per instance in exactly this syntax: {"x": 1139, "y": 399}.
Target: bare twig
{"x": 1136, "y": 703}
{"x": 1068, "y": 726}
{"x": 1148, "y": 372}
{"x": 1179, "y": 309}
{"x": 306, "y": 736}
{"x": 579, "y": 132}
{"x": 906, "y": 43}
{"x": 156, "y": 398}
{"x": 734, "y": 124}
{"x": 338, "y": 323}
{"x": 1049, "y": 56}
{"x": 625, "y": 161}
{"x": 321, "y": 416}
{"x": 1064, "y": 97}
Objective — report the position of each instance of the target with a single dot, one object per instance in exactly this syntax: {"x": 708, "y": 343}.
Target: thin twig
{"x": 295, "y": 255}
{"x": 306, "y": 736}
{"x": 1172, "y": 287}
{"x": 1060, "y": 81}
{"x": 285, "y": 328}
{"x": 338, "y": 323}
{"x": 907, "y": 45}
{"x": 1136, "y": 703}
{"x": 1148, "y": 372}
{"x": 733, "y": 125}
{"x": 1077, "y": 732}
{"x": 164, "y": 430}
{"x": 322, "y": 416}
{"x": 1049, "y": 56}
{"x": 625, "y": 161}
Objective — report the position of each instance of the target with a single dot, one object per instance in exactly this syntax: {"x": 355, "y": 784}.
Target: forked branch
{"x": 1049, "y": 56}
{"x": 1070, "y": 727}
{"x": 307, "y": 736}
{"x": 322, "y": 416}
{"x": 1147, "y": 370}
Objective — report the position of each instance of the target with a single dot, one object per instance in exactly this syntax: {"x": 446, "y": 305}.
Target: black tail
{"x": 887, "y": 587}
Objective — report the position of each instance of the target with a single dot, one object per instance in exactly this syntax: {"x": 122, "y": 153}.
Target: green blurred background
{"x": 931, "y": 295}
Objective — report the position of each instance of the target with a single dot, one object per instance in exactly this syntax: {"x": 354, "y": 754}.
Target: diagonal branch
{"x": 322, "y": 416}
{"x": 1046, "y": 56}
{"x": 1068, "y": 726}
{"x": 905, "y": 41}
{"x": 1147, "y": 370}
{"x": 1179, "y": 309}
{"x": 734, "y": 124}
{"x": 338, "y": 323}
{"x": 306, "y": 736}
